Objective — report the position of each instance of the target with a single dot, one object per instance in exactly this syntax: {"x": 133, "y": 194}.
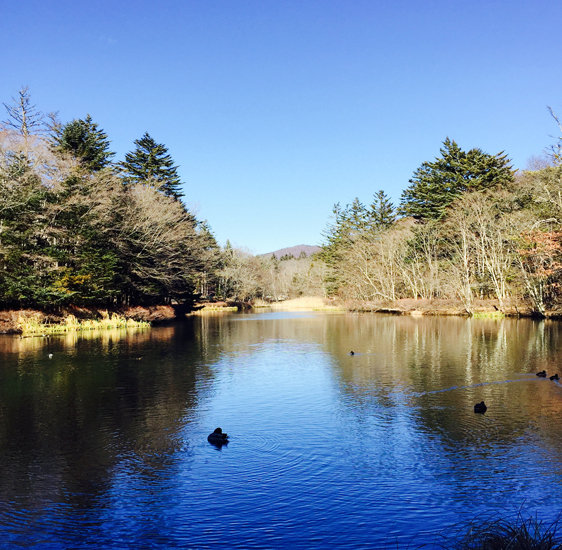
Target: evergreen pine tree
{"x": 382, "y": 212}
{"x": 437, "y": 184}
{"x": 151, "y": 161}
{"x": 357, "y": 218}
{"x": 84, "y": 140}
{"x": 348, "y": 223}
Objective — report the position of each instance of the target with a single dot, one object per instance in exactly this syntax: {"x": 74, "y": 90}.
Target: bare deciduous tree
{"x": 23, "y": 116}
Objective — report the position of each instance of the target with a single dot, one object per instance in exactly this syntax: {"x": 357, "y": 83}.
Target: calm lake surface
{"x": 104, "y": 445}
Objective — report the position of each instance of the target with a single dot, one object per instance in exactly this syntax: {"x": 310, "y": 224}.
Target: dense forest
{"x": 468, "y": 227}
{"x": 79, "y": 228}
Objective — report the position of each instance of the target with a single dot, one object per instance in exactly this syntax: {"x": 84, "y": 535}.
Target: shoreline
{"x": 9, "y": 323}
{"x": 10, "y": 319}
{"x": 488, "y": 308}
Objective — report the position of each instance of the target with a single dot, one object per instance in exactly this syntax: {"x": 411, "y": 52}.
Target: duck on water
{"x": 480, "y": 407}
{"x": 218, "y": 437}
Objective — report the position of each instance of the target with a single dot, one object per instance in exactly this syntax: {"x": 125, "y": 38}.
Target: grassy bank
{"x": 479, "y": 308}
{"x": 308, "y": 303}
{"x": 210, "y": 308}
{"x": 416, "y": 307}
{"x": 296, "y": 304}
{"x": 30, "y": 321}
{"x": 29, "y": 326}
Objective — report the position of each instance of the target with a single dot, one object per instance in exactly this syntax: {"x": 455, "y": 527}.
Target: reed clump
{"x": 36, "y": 325}
{"x": 500, "y": 533}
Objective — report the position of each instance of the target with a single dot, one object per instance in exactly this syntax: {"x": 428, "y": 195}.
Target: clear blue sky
{"x": 274, "y": 110}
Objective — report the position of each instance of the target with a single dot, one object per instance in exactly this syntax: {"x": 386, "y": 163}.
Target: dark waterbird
{"x": 555, "y": 377}
{"x": 542, "y": 374}
{"x": 480, "y": 407}
{"x": 351, "y": 353}
{"x": 218, "y": 437}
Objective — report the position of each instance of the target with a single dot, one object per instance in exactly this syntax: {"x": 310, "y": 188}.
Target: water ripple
{"x": 480, "y": 384}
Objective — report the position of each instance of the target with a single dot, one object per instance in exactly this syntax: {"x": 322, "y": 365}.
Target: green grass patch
{"x": 214, "y": 309}
{"x": 488, "y": 315}
{"x": 331, "y": 309}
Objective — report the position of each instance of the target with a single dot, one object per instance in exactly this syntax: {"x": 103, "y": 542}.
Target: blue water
{"x": 104, "y": 445}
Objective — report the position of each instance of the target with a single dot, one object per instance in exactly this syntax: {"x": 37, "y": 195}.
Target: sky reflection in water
{"x": 105, "y": 444}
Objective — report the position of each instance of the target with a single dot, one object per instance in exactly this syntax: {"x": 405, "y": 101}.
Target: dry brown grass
{"x": 308, "y": 303}
{"x": 30, "y": 325}
{"x": 19, "y": 321}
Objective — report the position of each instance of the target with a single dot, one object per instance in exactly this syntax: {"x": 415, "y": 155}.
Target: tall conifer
{"x": 151, "y": 161}
{"x": 85, "y": 141}
{"x": 435, "y": 185}
{"x": 383, "y": 213}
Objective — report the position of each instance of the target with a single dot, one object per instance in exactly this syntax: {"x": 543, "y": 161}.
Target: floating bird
{"x": 480, "y": 407}
{"x": 542, "y": 374}
{"x": 218, "y": 437}
{"x": 50, "y": 355}
{"x": 351, "y": 353}
{"x": 555, "y": 377}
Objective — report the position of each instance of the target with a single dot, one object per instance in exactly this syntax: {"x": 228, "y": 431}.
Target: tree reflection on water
{"x": 113, "y": 413}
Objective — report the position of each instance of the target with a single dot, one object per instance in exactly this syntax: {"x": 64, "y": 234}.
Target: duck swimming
{"x": 555, "y": 377}
{"x": 218, "y": 437}
{"x": 351, "y": 353}
{"x": 542, "y": 374}
{"x": 480, "y": 407}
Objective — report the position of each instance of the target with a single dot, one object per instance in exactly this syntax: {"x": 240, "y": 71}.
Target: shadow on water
{"x": 66, "y": 421}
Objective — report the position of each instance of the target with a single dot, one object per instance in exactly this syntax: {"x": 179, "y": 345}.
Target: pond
{"x": 103, "y": 436}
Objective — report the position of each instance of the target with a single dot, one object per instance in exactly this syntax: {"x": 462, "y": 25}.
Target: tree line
{"x": 78, "y": 228}
{"x": 467, "y": 227}
{"x": 244, "y": 277}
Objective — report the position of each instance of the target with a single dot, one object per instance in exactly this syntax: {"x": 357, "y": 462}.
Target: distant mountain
{"x": 294, "y": 250}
